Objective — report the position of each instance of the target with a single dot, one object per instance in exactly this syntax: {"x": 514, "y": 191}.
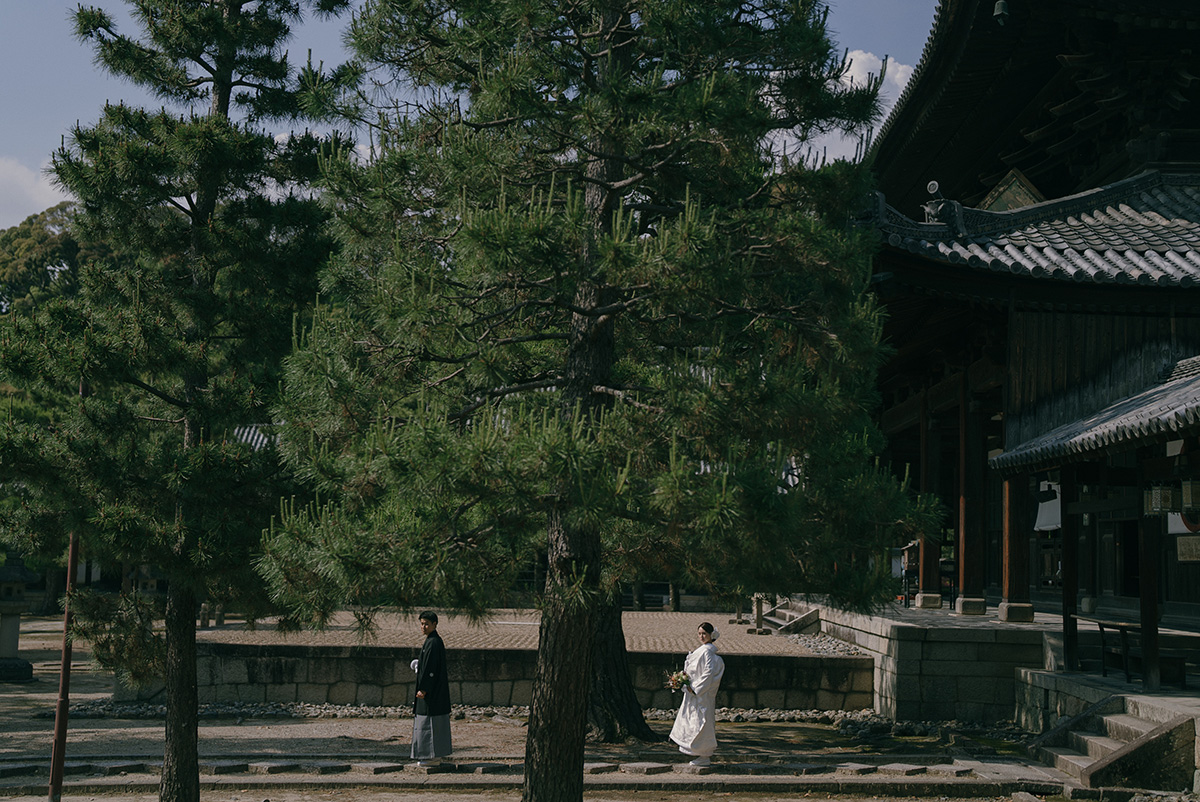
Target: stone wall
{"x": 496, "y": 677}
{"x": 963, "y": 673}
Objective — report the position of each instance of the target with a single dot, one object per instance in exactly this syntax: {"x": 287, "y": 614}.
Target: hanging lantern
{"x": 1190, "y": 493}
{"x": 1161, "y": 499}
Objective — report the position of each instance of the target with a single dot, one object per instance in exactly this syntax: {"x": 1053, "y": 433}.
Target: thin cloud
{"x": 24, "y": 192}
{"x": 864, "y": 66}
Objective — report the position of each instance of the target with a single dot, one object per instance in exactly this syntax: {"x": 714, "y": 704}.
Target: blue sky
{"x": 52, "y": 83}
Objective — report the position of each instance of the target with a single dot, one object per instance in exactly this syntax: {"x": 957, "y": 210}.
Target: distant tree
{"x": 39, "y": 258}
{"x": 583, "y": 314}
{"x": 168, "y": 356}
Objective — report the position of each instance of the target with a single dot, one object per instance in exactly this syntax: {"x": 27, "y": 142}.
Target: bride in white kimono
{"x": 695, "y": 723}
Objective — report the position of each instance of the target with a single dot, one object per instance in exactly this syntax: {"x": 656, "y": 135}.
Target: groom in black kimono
{"x": 431, "y": 712}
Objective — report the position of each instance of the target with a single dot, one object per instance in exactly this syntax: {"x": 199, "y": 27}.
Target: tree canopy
{"x": 587, "y": 315}
{"x": 167, "y": 358}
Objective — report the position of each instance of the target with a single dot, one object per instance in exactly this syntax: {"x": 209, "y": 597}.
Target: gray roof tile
{"x": 1167, "y": 409}
{"x": 1143, "y": 230}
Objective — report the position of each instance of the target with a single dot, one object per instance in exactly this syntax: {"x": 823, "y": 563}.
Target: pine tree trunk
{"x": 614, "y": 713}
{"x": 181, "y": 770}
{"x": 558, "y": 716}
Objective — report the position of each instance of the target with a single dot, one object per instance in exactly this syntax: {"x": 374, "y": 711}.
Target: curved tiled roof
{"x": 1168, "y": 409}
{"x": 1143, "y": 230}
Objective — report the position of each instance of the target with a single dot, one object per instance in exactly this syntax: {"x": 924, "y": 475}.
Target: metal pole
{"x": 58, "y": 750}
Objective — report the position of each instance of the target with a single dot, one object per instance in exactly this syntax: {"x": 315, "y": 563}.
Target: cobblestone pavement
{"x": 295, "y": 760}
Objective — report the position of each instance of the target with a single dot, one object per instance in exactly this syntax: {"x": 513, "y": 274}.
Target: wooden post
{"x": 929, "y": 580}
{"x": 1068, "y": 493}
{"x": 971, "y": 456}
{"x": 1149, "y": 529}
{"x": 1015, "y": 577}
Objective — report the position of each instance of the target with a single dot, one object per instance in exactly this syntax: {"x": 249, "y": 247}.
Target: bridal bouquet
{"x": 678, "y": 680}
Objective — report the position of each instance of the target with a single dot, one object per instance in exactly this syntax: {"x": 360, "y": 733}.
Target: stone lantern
{"x": 14, "y": 576}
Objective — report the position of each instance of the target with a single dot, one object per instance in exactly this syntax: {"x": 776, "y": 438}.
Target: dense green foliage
{"x": 584, "y": 314}
{"x": 166, "y": 360}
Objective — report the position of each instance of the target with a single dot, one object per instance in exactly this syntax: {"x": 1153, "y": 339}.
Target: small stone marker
{"x": 855, "y": 768}
{"x": 645, "y": 768}
{"x": 482, "y": 768}
{"x": 224, "y": 767}
{"x": 379, "y": 768}
{"x": 901, "y": 769}
{"x": 949, "y": 770}
{"x": 599, "y": 768}
{"x": 121, "y": 767}
{"x": 273, "y": 767}
{"x": 18, "y": 769}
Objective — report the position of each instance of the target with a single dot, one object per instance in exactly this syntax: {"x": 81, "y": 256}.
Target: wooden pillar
{"x": 1149, "y": 537}
{"x": 1068, "y": 494}
{"x": 971, "y": 492}
{"x": 929, "y": 595}
{"x": 1015, "y": 605}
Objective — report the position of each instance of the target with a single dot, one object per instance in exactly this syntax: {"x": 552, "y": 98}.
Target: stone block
{"x": 476, "y": 693}
{"x": 233, "y": 672}
{"x": 369, "y": 694}
{"x": 255, "y": 694}
{"x": 1014, "y": 654}
{"x": 744, "y": 699}
{"x": 645, "y": 698}
{"x": 901, "y": 769}
{"x": 951, "y": 652}
{"x": 964, "y": 605}
{"x": 397, "y": 695}
{"x": 600, "y": 768}
{"x": 379, "y": 768}
{"x": 502, "y": 692}
{"x": 206, "y": 694}
{"x": 859, "y": 701}
{"x": 522, "y": 692}
{"x": 324, "y": 671}
{"x": 645, "y": 768}
{"x": 312, "y": 692}
{"x": 863, "y": 681}
{"x": 800, "y": 699}
{"x": 829, "y": 700}
{"x": 774, "y": 698}
{"x": 369, "y": 670}
{"x": 284, "y": 692}
{"x": 326, "y": 767}
{"x": 226, "y": 693}
{"x": 224, "y": 767}
{"x": 665, "y": 700}
{"x": 456, "y": 693}
{"x": 342, "y": 693}
{"x": 273, "y": 767}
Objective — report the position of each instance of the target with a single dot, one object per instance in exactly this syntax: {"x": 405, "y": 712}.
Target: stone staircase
{"x": 791, "y": 619}
{"x": 1110, "y": 745}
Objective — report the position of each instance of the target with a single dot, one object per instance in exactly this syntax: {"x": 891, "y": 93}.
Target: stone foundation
{"x": 963, "y": 673}
{"x": 380, "y": 676}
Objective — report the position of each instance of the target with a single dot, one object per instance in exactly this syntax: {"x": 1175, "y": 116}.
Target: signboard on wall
{"x": 1188, "y": 548}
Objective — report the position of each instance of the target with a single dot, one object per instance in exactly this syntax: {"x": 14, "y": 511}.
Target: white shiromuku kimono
{"x": 695, "y": 724}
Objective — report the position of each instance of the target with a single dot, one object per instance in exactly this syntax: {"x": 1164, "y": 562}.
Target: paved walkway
{"x": 111, "y": 755}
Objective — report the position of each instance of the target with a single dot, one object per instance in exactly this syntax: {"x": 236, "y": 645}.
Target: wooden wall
{"x": 1063, "y": 365}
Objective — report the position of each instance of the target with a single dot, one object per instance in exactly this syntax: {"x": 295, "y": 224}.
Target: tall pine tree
{"x": 168, "y": 356}
{"x": 584, "y": 315}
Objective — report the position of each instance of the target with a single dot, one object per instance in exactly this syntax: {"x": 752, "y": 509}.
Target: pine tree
{"x": 585, "y": 317}
{"x": 168, "y": 357}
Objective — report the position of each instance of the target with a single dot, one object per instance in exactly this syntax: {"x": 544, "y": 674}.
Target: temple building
{"x": 1039, "y": 207}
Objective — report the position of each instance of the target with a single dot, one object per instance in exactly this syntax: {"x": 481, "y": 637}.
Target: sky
{"x": 52, "y": 82}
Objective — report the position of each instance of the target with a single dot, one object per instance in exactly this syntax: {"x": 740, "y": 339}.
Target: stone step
{"x": 1066, "y": 760}
{"x": 1095, "y": 746}
{"x": 1124, "y": 727}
